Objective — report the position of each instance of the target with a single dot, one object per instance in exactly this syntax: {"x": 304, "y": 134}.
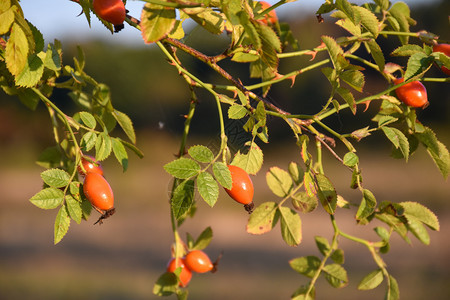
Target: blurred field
{"x": 122, "y": 258}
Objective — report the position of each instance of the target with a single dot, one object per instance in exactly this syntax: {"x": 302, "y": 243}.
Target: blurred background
{"x": 123, "y": 258}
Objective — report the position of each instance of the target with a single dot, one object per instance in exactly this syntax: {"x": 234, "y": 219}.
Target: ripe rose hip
{"x": 185, "y": 275}
{"x": 271, "y": 17}
{"x": 198, "y": 261}
{"x": 99, "y": 193}
{"x": 242, "y": 187}
{"x": 413, "y": 94}
{"x": 112, "y": 11}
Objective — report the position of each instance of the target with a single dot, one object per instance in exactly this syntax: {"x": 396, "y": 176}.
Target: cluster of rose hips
{"x": 195, "y": 261}
{"x": 96, "y": 188}
{"x": 414, "y": 93}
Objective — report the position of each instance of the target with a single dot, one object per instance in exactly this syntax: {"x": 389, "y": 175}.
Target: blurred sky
{"x": 57, "y": 19}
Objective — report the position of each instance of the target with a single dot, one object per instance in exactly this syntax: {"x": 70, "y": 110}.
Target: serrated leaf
{"x": 291, "y": 226}
{"x": 207, "y": 18}
{"x": 368, "y": 20}
{"x": 300, "y": 293}
{"x": 416, "y": 64}
{"x": 371, "y": 280}
{"x": 417, "y": 228}
{"x": 88, "y": 140}
{"x": 422, "y": 213}
{"x": 347, "y": 9}
{"x": 88, "y": 119}
{"x": 73, "y": 208}
{"x": 326, "y": 193}
{"x": 279, "y": 181}
{"x": 407, "y": 50}
{"x": 201, "y": 153}
{"x": 244, "y": 57}
{"x": 251, "y": 161}
{"x": 126, "y": 124}
{"x": 338, "y": 256}
{"x": 334, "y": 50}
{"x": 48, "y": 198}
{"x": 56, "y": 178}
{"x": 53, "y": 57}
{"x": 166, "y": 284}
{"x": 236, "y": 112}
{"x": 250, "y": 30}
{"x": 322, "y": 244}
{"x": 336, "y": 275}
{"x": 367, "y": 206}
{"x": 347, "y": 24}
{"x": 62, "y": 224}
{"x": 31, "y": 73}
{"x": 348, "y": 98}
{"x": 16, "y": 52}
{"x": 7, "y": 16}
{"x": 182, "y": 198}
{"x": 203, "y": 239}
{"x": 401, "y": 14}
{"x": 157, "y": 22}
{"x": 120, "y": 153}
{"x": 306, "y": 265}
{"x": 263, "y": 219}
{"x": 398, "y": 139}
{"x": 183, "y": 168}
{"x": 222, "y": 174}
{"x": 377, "y": 54}
{"x": 103, "y": 146}
{"x": 354, "y": 78}
{"x": 438, "y": 152}
{"x": 351, "y": 159}
{"x": 208, "y": 188}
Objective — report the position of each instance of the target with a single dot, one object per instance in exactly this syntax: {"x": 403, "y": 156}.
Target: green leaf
{"x": 53, "y": 57}
{"x": 421, "y": 213}
{"x": 416, "y": 227}
{"x": 207, "y": 18}
{"x": 62, "y": 224}
{"x": 201, "y": 153}
{"x": 296, "y": 172}
{"x": 336, "y": 275}
{"x": 7, "y": 16}
{"x": 236, "y": 112}
{"x": 334, "y": 50}
{"x": 48, "y": 198}
{"x": 88, "y": 119}
{"x": 347, "y": 9}
{"x": 398, "y": 139}
{"x": 326, "y": 193}
{"x": 103, "y": 146}
{"x": 368, "y": 20}
{"x": 401, "y": 14}
{"x": 304, "y": 203}
{"x": 279, "y": 181}
{"x": 88, "y": 140}
{"x": 74, "y": 208}
{"x": 377, "y": 54}
{"x": 250, "y": 30}
{"x": 438, "y": 152}
{"x": 182, "y": 198}
{"x": 16, "y": 52}
{"x": 244, "y": 57}
{"x": 354, "y": 78}
{"x": 300, "y": 293}
{"x": 29, "y": 98}
{"x": 351, "y": 159}
{"x": 222, "y": 174}
{"x": 392, "y": 293}
{"x": 417, "y": 63}
{"x": 208, "y": 188}
{"x": 183, "y": 168}
{"x": 306, "y": 265}
{"x": 166, "y": 284}
{"x": 291, "y": 226}
{"x": 203, "y": 239}
{"x": 126, "y": 124}
{"x": 251, "y": 161}
{"x": 367, "y": 206}
{"x": 263, "y": 219}
{"x": 338, "y": 256}
{"x": 322, "y": 244}
{"x": 56, "y": 178}
{"x": 120, "y": 153}
{"x": 31, "y": 73}
{"x": 407, "y": 50}
{"x": 348, "y": 97}
{"x": 157, "y": 22}
{"x": 371, "y": 280}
